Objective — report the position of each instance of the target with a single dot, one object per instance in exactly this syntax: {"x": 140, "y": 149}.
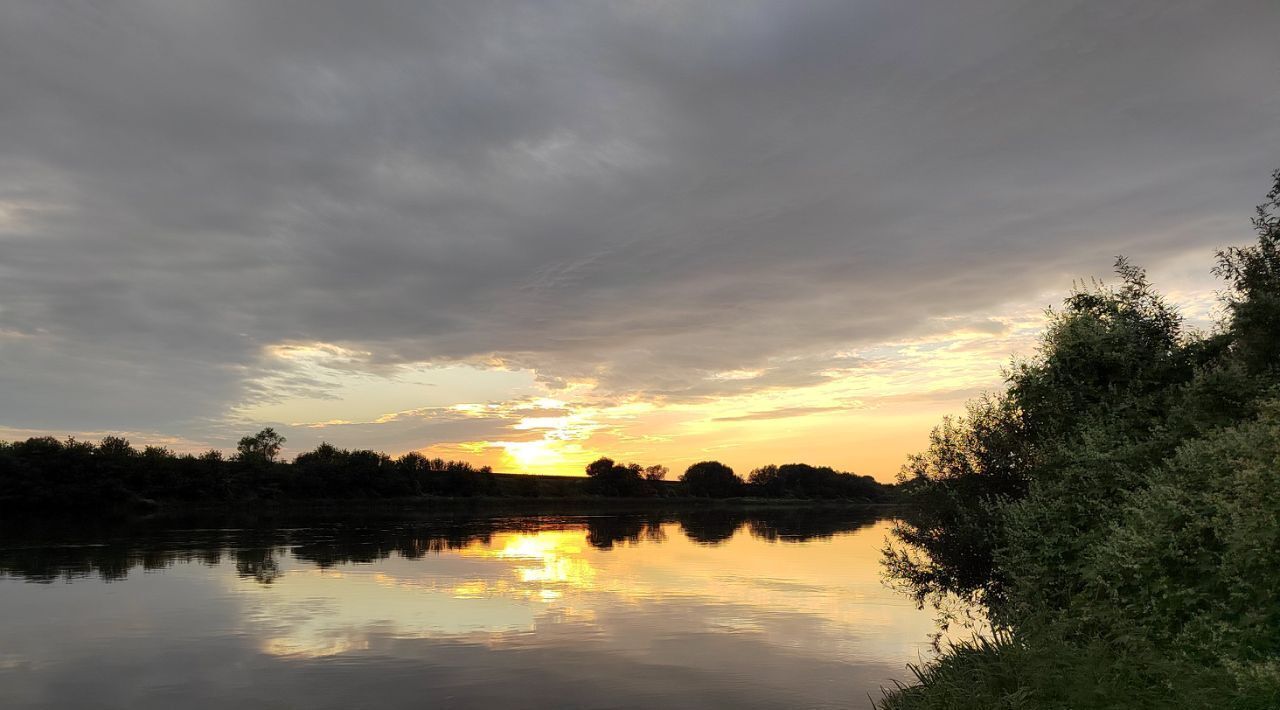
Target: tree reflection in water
{"x": 50, "y": 550}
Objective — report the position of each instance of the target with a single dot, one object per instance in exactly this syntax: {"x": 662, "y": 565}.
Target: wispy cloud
{"x": 784, "y": 413}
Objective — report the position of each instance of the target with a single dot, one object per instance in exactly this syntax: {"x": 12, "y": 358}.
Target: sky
{"x": 530, "y": 234}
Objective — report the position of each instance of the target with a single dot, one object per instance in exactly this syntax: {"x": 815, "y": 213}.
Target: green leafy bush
{"x": 1116, "y": 510}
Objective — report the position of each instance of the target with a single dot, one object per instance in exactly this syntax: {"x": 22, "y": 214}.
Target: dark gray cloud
{"x": 640, "y": 193}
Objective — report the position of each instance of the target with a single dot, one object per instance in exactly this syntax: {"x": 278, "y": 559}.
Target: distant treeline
{"x": 1116, "y": 508}
{"x": 712, "y": 479}
{"x": 45, "y": 472}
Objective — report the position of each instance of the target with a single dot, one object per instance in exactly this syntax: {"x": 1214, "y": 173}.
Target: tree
{"x": 711, "y": 479}
{"x": 1253, "y": 273}
{"x": 614, "y": 479}
{"x": 656, "y": 472}
{"x": 799, "y": 480}
{"x": 600, "y": 467}
{"x": 1114, "y": 506}
{"x": 116, "y": 447}
{"x": 263, "y": 446}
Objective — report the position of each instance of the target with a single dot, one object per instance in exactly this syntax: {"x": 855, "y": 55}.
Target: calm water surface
{"x": 702, "y": 610}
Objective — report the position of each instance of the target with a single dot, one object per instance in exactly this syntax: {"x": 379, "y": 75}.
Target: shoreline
{"x": 583, "y": 505}
{"x": 478, "y": 506}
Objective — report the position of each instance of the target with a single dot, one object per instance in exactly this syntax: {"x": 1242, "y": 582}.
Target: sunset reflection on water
{"x": 740, "y": 612}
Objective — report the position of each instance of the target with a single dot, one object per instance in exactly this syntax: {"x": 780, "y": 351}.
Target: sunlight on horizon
{"x": 863, "y": 410}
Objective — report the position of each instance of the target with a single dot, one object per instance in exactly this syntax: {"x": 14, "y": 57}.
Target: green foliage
{"x": 974, "y": 465}
{"x": 1254, "y": 273}
{"x": 1075, "y": 419}
{"x": 1193, "y": 556}
{"x": 1115, "y": 509}
{"x": 1042, "y": 672}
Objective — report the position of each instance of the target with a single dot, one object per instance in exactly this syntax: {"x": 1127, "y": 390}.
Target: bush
{"x": 711, "y": 479}
{"x": 1115, "y": 509}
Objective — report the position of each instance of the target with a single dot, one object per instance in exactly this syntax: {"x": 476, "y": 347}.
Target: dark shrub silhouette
{"x": 711, "y": 479}
{"x": 609, "y": 478}
{"x": 798, "y": 480}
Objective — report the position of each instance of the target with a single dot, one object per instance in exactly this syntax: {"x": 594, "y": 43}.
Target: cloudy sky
{"x": 526, "y": 234}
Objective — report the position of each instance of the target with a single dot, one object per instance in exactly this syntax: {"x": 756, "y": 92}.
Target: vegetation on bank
{"x": 1116, "y": 509}
{"x": 47, "y": 473}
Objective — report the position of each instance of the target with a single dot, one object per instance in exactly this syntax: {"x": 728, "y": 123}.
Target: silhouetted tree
{"x": 614, "y": 479}
{"x": 600, "y": 468}
{"x": 711, "y": 479}
{"x": 116, "y": 447}
{"x": 263, "y": 446}
{"x": 44, "y": 472}
{"x": 798, "y": 480}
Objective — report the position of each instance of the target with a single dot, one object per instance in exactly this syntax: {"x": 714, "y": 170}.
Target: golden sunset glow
{"x": 523, "y": 581}
{"x": 863, "y": 409}
{"x": 558, "y": 556}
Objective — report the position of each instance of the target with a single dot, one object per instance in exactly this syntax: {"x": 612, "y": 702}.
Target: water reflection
{"x": 705, "y": 609}
{"x": 44, "y": 551}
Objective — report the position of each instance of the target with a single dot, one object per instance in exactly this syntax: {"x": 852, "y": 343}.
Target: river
{"x": 785, "y": 609}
